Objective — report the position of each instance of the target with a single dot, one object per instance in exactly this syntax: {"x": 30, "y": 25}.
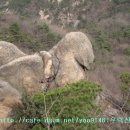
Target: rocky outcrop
{"x": 70, "y": 57}
{"x": 4, "y": 112}
{"x": 24, "y": 72}
{"x": 65, "y": 63}
{"x": 7, "y": 90}
{"x": 47, "y": 61}
{"x": 9, "y": 52}
{"x": 8, "y": 98}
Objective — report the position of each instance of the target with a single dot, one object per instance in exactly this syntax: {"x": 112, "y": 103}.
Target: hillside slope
{"x": 38, "y": 25}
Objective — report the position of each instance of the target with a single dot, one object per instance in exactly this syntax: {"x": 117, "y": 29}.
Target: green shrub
{"x": 43, "y": 28}
{"x": 127, "y": 51}
{"x": 28, "y": 109}
{"x": 125, "y": 81}
{"x": 121, "y": 65}
{"x": 102, "y": 41}
{"x": 19, "y": 5}
{"x": 71, "y": 101}
{"x": 15, "y": 33}
{"x": 47, "y": 36}
{"x": 123, "y": 33}
{"x": 127, "y": 31}
{"x": 117, "y": 35}
{"x": 120, "y": 1}
{"x": 91, "y": 27}
{"x": 45, "y": 39}
{"x": 75, "y": 100}
{"x": 38, "y": 127}
{"x": 125, "y": 87}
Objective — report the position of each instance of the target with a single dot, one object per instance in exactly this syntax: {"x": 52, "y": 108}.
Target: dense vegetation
{"x": 71, "y": 101}
{"x": 20, "y": 6}
{"x": 125, "y": 88}
{"x": 125, "y": 82}
{"x": 15, "y": 35}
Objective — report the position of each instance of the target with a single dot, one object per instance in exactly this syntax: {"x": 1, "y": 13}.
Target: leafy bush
{"x": 125, "y": 88}
{"x": 102, "y": 40}
{"x": 123, "y": 33}
{"x": 15, "y": 33}
{"x": 125, "y": 81}
{"x": 127, "y": 51}
{"x": 43, "y": 28}
{"x": 120, "y": 1}
{"x": 45, "y": 39}
{"x": 19, "y": 5}
{"x": 127, "y": 31}
{"x": 48, "y": 37}
{"x": 71, "y": 101}
{"x": 117, "y": 35}
{"x": 91, "y": 27}
{"x": 38, "y": 127}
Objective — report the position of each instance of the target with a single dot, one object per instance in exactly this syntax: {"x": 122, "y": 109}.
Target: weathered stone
{"x": 9, "y": 52}
{"x": 24, "y": 72}
{"x": 70, "y": 57}
{"x": 8, "y": 98}
{"x": 7, "y": 90}
{"x": 65, "y": 63}
{"x": 4, "y": 112}
{"x": 47, "y": 61}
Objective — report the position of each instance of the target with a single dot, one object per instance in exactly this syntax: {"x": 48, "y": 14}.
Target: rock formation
{"x": 6, "y": 90}
{"x": 24, "y": 72}
{"x": 70, "y": 57}
{"x": 9, "y": 96}
{"x": 9, "y": 52}
{"x": 63, "y": 64}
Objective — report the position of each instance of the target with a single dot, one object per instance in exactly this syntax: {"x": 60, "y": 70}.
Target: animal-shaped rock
{"x": 70, "y": 57}
{"x": 65, "y": 63}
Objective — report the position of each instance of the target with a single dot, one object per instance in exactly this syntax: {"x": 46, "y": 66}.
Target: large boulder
{"x": 65, "y": 63}
{"x": 70, "y": 57}
{"x": 8, "y": 98}
{"x": 9, "y": 52}
{"x": 4, "y": 113}
{"x": 24, "y": 73}
{"x": 6, "y": 90}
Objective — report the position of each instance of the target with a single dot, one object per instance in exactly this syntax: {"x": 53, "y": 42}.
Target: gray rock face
{"x": 16, "y": 76}
{"x": 63, "y": 64}
{"x": 9, "y": 96}
{"x": 7, "y": 90}
{"x": 9, "y": 52}
{"x": 70, "y": 57}
{"x": 17, "y": 73}
{"x": 24, "y": 72}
